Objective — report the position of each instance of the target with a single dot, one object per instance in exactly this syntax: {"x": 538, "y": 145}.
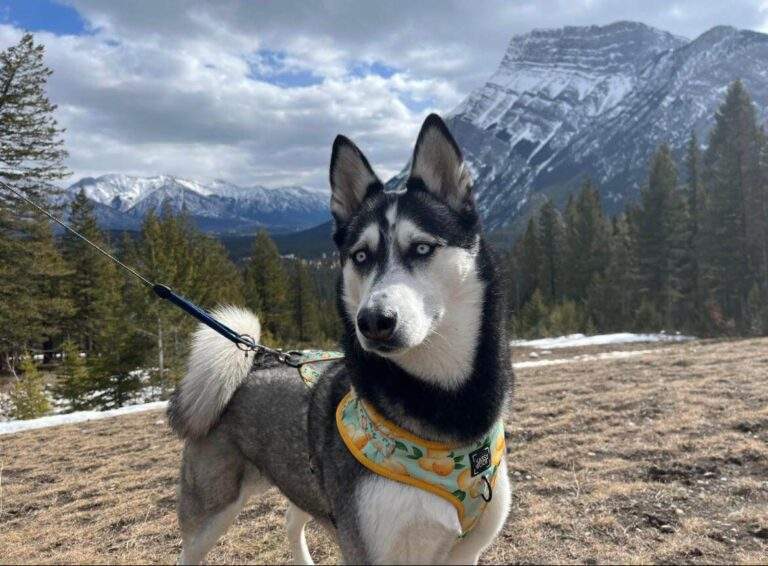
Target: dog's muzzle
{"x": 377, "y": 325}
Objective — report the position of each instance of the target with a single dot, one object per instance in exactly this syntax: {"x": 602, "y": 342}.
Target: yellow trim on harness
{"x": 450, "y": 471}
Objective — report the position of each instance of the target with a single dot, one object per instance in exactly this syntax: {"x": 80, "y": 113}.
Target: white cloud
{"x": 170, "y": 87}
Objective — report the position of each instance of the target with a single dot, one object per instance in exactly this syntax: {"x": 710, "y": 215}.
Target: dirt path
{"x": 661, "y": 457}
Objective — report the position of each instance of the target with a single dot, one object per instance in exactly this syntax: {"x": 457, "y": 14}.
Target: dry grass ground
{"x": 662, "y": 457}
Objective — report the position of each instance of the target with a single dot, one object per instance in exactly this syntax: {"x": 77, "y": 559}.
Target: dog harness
{"x": 312, "y": 363}
{"x": 462, "y": 475}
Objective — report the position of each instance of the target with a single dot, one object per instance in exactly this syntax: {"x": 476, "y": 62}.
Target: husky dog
{"x": 421, "y": 304}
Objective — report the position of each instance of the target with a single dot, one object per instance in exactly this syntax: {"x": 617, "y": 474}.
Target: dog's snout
{"x": 376, "y": 323}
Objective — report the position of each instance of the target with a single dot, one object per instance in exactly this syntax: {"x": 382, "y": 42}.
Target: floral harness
{"x": 462, "y": 475}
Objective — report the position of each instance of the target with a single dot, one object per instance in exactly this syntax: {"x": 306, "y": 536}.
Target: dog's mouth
{"x": 382, "y": 347}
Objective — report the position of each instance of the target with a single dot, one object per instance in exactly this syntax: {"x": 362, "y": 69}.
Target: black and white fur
{"x": 420, "y": 298}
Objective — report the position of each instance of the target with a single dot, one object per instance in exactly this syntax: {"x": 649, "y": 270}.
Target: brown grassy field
{"x": 660, "y": 457}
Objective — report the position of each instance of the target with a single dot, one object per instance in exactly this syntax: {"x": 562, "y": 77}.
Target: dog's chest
{"x": 391, "y": 512}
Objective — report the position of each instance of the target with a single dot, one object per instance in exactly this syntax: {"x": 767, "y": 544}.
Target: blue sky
{"x": 255, "y": 92}
{"x": 43, "y": 15}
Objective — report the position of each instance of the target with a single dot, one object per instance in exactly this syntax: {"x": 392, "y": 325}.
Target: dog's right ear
{"x": 352, "y": 180}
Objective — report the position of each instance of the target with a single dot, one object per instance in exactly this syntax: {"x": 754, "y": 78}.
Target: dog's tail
{"x": 215, "y": 369}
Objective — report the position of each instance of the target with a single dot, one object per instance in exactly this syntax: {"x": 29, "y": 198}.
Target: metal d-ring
{"x": 490, "y": 490}
{"x": 246, "y": 343}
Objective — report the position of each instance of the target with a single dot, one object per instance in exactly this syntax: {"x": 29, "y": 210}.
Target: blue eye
{"x": 423, "y": 249}
{"x": 360, "y": 257}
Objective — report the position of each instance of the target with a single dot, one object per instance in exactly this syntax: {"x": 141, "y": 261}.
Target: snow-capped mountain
{"x": 122, "y": 201}
{"x": 597, "y": 101}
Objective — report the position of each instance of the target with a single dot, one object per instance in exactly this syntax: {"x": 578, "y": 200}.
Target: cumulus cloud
{"x": 255, "y": 92}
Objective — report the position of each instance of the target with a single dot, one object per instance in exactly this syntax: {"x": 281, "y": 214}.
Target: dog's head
{"x": 412, "y": 290}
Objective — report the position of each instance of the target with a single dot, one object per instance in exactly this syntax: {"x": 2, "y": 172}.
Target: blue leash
{"x": 243, "y": 341}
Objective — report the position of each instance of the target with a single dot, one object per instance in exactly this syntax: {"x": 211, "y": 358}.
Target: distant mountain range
{"x": 122, "y": 201}
{"x": 597, "y": 100}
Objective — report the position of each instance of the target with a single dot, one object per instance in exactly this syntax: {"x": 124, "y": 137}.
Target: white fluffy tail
{"x": 215, "y": 369}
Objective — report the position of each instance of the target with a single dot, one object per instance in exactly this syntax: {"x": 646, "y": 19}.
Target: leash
{"x": 244, "y": 342}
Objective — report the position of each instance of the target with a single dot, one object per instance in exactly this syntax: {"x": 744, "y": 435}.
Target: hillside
{"x": 656, "y": 454}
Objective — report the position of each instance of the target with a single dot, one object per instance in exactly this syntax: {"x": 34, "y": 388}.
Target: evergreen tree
{"x": 116, "y": 373}
{"x": 31, "y": 152}
{"x": 46, "y": 274}
{"x": 532, "y": 322}
{"x": 266, "y": 287}
{"x": 566, "y": 318}
{"x": 647, "y": 317}
{"x": 94, "y": 283}
{"x": 529, "y": 261}
{"x": 74, "y": 379}
{"x": 611, "y": 297}
{"x": 31, "y": 156}
{"x": 170, "y": 250}
{"x": 732, "y": 242}
{"x": 696, "y": 207}
{"x": 306, "y": 314}
{"x": 28, "y": 399}
{"x": 551, "y": 238}
{"x": 663, "y": 239}
{"x": 587, "y": 240}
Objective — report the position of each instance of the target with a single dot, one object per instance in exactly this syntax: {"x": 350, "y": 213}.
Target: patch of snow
{"x": 585, "y": 358}
{"x": 77, "y": 417}
{"x": 579, "y": 340}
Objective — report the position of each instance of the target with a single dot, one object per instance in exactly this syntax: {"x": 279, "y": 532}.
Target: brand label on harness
{"x": 480, "y": 460}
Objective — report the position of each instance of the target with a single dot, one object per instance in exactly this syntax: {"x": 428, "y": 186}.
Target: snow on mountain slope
{"x": 597, "y": 101}
{"x": 123, "y": 200}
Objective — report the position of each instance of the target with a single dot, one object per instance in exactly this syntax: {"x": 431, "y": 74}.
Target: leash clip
{"x": 490, "y": 490}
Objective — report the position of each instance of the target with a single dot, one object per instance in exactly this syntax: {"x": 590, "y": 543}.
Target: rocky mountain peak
{"x": 595, "y": 100}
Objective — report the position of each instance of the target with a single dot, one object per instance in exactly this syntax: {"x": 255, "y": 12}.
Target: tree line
{"x": 689, "y": 256}
{"x": 109, "y": 339}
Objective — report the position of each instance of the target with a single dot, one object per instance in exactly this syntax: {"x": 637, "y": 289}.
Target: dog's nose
{"x": 377, "y": 324}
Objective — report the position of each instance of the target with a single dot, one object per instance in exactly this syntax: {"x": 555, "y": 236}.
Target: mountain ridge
{"x": 595, "y": 101}
{"x": 122, "y": 201}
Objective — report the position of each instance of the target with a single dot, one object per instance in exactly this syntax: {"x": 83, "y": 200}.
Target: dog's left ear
{"x": 352, "y": 180}
{"x": 437, "y": 161}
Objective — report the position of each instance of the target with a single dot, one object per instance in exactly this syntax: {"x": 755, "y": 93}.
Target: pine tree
{"x": 28, "y": 398}
{"x": 46, "y": 274}
{"x": 74, "y": 380}
{"x": 612, "y": 295}
{"x": 532, "y": 322}
{"x": 696, "y": 207}
{"x": 31, "y": 152}
{"x": 266, "y": 287}
{"x": 171, "y": 251}
{"x": 529, "y": 261}
{"x": 663, "y": 245}
{"x": 94, "y": 283}
{"x": 31, "y": 157}
{"x": 586, "y": 240}
{"x": 306, "y": 314}
{"x": 551, "y": 238}
{"x": 117, "y": 371}
{"x": 734, "y": 241}
{"x": 647, "y": 317}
